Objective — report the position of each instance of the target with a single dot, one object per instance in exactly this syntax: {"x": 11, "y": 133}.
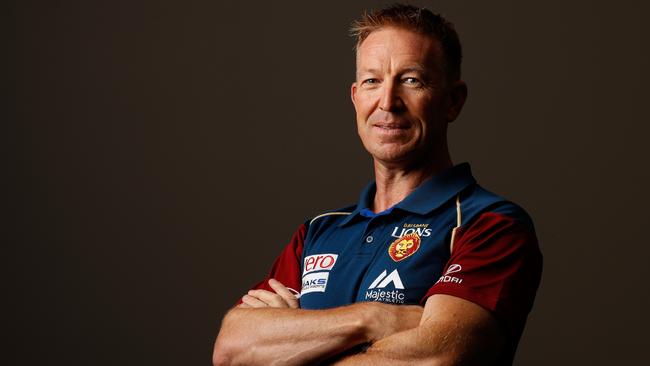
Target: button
{"x": 369, "y": 239}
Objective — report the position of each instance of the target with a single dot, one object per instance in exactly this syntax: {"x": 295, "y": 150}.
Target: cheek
{"x": 429, "y": 113}
{"x": 364, "y": 103}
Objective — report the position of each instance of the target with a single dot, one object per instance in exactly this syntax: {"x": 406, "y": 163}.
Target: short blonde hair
{"x": 420, "y": 20}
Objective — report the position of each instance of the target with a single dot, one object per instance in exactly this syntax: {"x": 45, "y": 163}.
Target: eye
{"x": 370, "y": 81}
{"x": 412, "y": 81}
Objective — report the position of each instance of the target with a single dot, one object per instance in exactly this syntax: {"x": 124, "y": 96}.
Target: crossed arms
{"x": 268, "y": 328}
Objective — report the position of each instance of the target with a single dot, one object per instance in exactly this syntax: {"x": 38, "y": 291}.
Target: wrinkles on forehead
{"x": 396, "y": 50}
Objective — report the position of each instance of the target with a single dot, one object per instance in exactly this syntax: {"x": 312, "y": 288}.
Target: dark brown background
{"x": 161, "y": 153}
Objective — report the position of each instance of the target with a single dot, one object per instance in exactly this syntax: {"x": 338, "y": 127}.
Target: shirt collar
{"x": 431, "y": 194}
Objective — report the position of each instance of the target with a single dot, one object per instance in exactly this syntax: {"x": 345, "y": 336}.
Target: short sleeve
{"x": 496, "y": 263}
{"x": 286, "y": 267}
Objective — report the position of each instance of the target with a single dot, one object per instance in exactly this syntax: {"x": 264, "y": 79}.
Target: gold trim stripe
{"x": 458, "y": 223}
{"x": 328, "y": 214}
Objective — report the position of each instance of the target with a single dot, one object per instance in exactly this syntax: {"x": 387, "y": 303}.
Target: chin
{"x": 391, "y": 155}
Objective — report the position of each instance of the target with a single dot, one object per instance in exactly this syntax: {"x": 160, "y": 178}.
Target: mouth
{"x": 391, "y": 127}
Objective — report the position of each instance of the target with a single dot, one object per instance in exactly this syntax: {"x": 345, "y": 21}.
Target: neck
{"x": 396, "y": 181}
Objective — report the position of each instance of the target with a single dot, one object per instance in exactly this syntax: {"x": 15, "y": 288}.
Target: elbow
{"x": 226, "y": 352}
{"x": 231, "y": 347}
{"x": 221, "y": 355}
{"x": 223, "y": 347}
{"x": 233, "y": 353}
{"x": 219, "y": 360}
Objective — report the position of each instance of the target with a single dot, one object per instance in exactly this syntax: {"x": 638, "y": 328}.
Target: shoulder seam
{"x": 328, "y": 214}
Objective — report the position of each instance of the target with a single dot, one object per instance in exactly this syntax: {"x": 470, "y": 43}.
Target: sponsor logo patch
{"x": 404, "y": 247}
{"x": 446, "y": 278}
{"x": 422, "y": 230}
{"x": 382, "y": 280}
{"x": 314, "y": 282}
{"x": 319, "y": 262}
{"x": 453, "y": 269}
{"x": 379, "y": 289}
{"x": 316, "y": 272}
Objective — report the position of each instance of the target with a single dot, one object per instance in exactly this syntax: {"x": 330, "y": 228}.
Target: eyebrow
{"x": 414, "y": 69}
{"x": 372, "y": 71}
{"x": 418, "y": 69}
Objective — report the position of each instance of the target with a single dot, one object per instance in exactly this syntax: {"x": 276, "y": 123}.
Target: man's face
{"x": 401, "y": 96}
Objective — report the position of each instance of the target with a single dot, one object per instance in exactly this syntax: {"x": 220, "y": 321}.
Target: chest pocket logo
{"x": 404, "y": 247}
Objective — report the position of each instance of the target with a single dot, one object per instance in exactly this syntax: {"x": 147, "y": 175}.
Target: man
{"x": 428, "y": 268}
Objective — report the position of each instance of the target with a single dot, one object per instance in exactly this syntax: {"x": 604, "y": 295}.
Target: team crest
{"x": 404, "y": 247}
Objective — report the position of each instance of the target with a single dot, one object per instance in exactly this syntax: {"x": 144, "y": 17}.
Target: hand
{"x": 282, "y": 298}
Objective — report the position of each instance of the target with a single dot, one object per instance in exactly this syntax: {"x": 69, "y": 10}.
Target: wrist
{"x": 371, "y": 321}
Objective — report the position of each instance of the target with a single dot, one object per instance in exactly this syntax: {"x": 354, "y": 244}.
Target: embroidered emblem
{"x": 404, "y": 247}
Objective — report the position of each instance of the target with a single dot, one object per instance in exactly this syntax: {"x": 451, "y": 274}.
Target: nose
{"x": 390, "y": 99}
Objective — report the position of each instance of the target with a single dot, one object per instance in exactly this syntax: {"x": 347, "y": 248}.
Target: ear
{"x": 353, "y": 94}
{"x": 457, "y": 97}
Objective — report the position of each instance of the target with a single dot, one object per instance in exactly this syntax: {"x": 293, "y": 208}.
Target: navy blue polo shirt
{"x": 361, "y": 267}
{"x": 449, "y": 236}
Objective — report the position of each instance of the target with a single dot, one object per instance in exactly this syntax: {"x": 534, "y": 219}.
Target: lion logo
{"x": 404, "y": 247}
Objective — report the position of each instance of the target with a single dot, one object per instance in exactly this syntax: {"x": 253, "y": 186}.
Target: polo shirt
{"x": 449, "y": 236}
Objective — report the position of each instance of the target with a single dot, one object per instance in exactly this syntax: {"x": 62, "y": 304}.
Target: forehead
{"x": 396, "y": 47}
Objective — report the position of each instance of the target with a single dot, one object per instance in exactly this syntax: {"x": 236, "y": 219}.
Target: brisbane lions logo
{"x": 404, "y": 247}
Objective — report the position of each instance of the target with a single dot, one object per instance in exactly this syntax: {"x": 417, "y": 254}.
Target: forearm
{"x": 401, "y": 349}
{"x": 452, "y": 332}
{"x": 290, "y": 336}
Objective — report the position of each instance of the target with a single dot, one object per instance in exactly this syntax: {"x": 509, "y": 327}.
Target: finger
{"x": 244, "y": 306}
{"x": 253, "y": 302}
{"x": 270, "y": 298}
{"x": 283, "y": 291}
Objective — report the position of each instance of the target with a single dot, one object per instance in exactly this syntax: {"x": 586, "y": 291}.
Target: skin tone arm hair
{"x": 450, "y": 331}
{"x": 268, "y": 329}
{"x": 453, "y": 331}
